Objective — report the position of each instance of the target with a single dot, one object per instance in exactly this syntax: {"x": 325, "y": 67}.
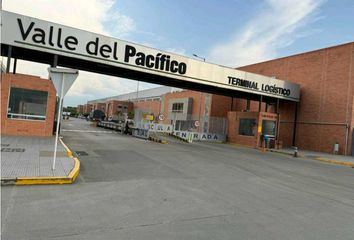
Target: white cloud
{"x": 180, "y": 51}
{"x": 274, "y": 27}
{"x": 84, "y": 14}
{"x": 90, "y": 15}
{"x": 120, "y": 25}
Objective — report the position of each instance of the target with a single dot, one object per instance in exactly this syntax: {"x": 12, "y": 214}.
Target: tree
{"x": 72, "y": 110}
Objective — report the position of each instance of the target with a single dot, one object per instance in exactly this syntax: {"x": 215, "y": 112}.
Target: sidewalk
{"x": 28, "y": 160}
{"x": 324, "y": 157}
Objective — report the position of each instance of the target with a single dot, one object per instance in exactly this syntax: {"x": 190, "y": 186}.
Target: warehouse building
{"x": 323, "y": 117}
{"x": 325, "y": 114}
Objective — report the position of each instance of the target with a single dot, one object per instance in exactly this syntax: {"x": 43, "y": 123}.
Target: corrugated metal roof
{"x": 143, "y": 94}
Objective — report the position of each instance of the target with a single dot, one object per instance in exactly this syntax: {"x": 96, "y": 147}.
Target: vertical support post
{"x": 347, "y": 129}
{"x": 55, "y": 61}
{"x": 58, "y": 121}
{"x": 295, "y": 124}
{"x": 248, "y": 107}
{"x": 278, "y": 119}
{"x": 55, "y": 64}
{"x": 9, "y": 55}
{"x": 295, "y": 152}
{"x": 260, "y": 104}
{"x": 277, "y": 107}
{"x": 266, "y": 107}
{"x": 160, "y": 106}
{"x": 137, "y": 90}
{"x": 200, "y": 111}
{"x": 14, "y": 67}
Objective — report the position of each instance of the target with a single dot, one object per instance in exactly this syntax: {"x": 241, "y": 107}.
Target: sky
{"x": 229, "y": 32}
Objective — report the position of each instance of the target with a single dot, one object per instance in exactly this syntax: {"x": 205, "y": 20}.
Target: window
{"x": 268, "y": 127}
{"x": 27, "y": 104}
{"x": 125, "y": 109}
{"x": 247, "y": 127}
{"x": 177, "y": 107}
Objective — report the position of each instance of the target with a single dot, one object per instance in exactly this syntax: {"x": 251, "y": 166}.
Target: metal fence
{"x": 187, "y": 122}
{"x": 202, "y": 127}
{"x": 201, "y": 124}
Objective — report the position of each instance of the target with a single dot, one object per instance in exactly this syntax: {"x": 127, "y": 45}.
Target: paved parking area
{"x": 130, "y": 188}
{"x": 32, "y": 157}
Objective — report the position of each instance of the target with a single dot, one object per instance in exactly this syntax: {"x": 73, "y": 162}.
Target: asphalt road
{"x": 129, "y": 188}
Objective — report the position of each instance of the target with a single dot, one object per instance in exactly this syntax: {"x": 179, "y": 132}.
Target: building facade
{"x": 325, "y": 114}
{"x": 87, "y": 108}
{"x": 80, "y": 109}
{"x": 115, "y": 107}
{"x": 323, "y": 117}
{"x": 27, "y": 105}
{"x": 99, "y": 106}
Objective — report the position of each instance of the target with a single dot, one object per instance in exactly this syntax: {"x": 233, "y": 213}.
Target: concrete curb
{"x": 48, "y": 180}
{"x": 68, "y": 151}
{"x": 321, "y": 159}
{"x": 241, "y": 146}
{"x": 348, "y": 164}
{"x": 179, "y": 138}
{"x": 158, "y": 140}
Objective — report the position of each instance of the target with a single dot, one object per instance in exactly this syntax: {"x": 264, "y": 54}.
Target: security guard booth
{"x": 254, "y": 129}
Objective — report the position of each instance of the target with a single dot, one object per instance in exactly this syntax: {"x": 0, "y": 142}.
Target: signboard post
{"x": 62, "y": 79}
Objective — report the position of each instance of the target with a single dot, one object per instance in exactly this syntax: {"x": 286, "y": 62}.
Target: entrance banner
{"x": 50, "y": 38}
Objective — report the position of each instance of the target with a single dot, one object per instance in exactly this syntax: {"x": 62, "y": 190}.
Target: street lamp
{"x": 200, "y": 98}
{"x": 195, "y": 55}
{"x": 137, "y": 90}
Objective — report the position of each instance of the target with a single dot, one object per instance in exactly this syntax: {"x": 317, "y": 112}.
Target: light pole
{"x": 137, "y": 90}
{"x": 200, "y": 98}
{"x": 195, "y": 55}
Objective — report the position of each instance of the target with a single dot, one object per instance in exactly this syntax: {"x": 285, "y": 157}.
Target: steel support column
{"x": 15, "y": 66}
{"x": 295, "y": 124}
{"x": 277, "y": 107}
{"x": 260, "y": 104}
{"x": 55, "y": 61}
{"x": 9, "y": 55}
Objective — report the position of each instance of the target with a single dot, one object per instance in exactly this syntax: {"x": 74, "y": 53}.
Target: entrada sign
{"x": 42, "y": 36}
{"x": 197, "y": 136}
